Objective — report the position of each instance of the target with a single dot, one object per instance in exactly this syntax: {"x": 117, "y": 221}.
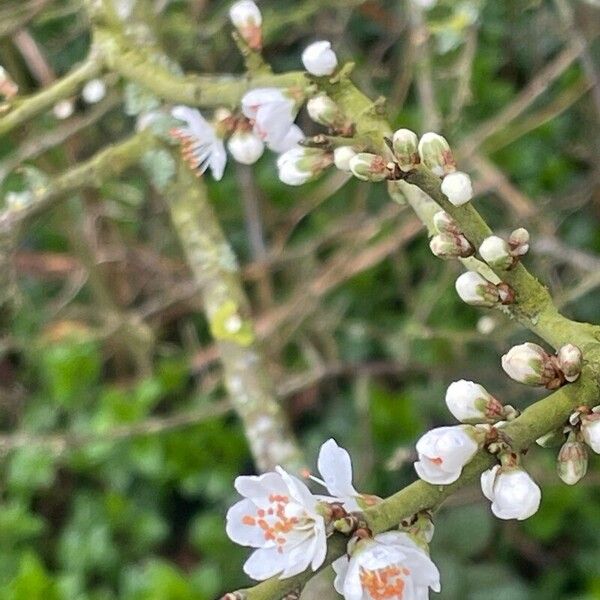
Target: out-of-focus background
{"x": 114, "y": 481}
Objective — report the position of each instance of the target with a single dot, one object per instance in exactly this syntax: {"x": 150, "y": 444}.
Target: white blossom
{"x": 512, "y": 492}
{"x": 243, "y": 12}
{"x": 271, "y": 112}
{"x": 368, "y": 167}
{"x": 63, "y": 110}
{"x": 335, "y": 467}
{"x": 572, "y": 460}
{"x": 435, "y": 154}
{"x": 300, "y": 165}
{"x": 247, "y": 19}
{"x": 470, "y": 402}
{"x": 530, "y": 364}
{"x": 458, "y": 188}
{"x": 278, "y": 516}
{"x": 202, "y": 148}
{"x": 342, "y": 157}
{"x": 476, "y": 290}
{"x": 496, "y": 252}
{"x": 570, "y": 360}
{"x": 590, "y": 429}
{"x": 391, "y": 566}
{"x": 405, "y": 144}
{"x": 443, "y": 452}
{"x": 94, "y": 91}
{"x": 289, "y": 141}
{"x": 319, "y": 59}
{"x": 246, "y": 147}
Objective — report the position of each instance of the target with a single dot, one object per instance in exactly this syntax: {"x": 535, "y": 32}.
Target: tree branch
{"x": 215, "y": 269}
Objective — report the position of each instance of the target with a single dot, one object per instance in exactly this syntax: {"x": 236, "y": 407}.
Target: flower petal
{"x": 335, "y": 467}
{"x": 264, "y": 563}
{"x": 240, "y": 527}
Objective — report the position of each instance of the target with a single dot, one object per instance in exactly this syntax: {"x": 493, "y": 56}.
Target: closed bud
{"x": 476, "y": 290}
{"x": 319, "y": 59}
{"x": 444, "y": 223}
{"x": 496, "y": 252}
{"x": 300, "y": 165}
{"x": 444, "y": 451}
{"x": 8, "y": 88}
{"x": 518, "y": 241}
{"x": 570, "y": 361}
{"x": 93, "y": 91}
{"x": 405, "y": 144}
{"x": 247, "y": 19}
{"x": 323, "y": 110}
{"x": 342, "y": 157}
{"x": 512, "y": 492}
{"x": 530, "y": 364}
{"x": 245, "y": 147}
{"x": 572, "y": 461}
{"x": 470, "y": 402}
{"x": 457, "y": 187}
{"x": 369, "y": 167}
{"x": 436, "y": 155}
{"x": 590, "y": 430}
{"x": 63, "y": 109}
{"x": 447, "y": 245}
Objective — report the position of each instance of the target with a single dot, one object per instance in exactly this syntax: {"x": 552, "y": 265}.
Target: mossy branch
{"x": 20, "y": 110}
{"x": 227, "y": 309}
{"x": 109, "y": 162}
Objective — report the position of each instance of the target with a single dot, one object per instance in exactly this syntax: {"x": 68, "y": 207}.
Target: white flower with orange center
{"x": 391, "y": 566}
{"x": 279, "y": 516}
{"x": 201, "y": 147}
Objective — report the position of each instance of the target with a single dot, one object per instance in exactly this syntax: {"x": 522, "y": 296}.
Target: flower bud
{"x": 300, "y": 165}
{"x": 514, "y": 495}
{"x": 93, "y": 91}
{"x": 63, "y": 109}
{"x": 470, "y": 402}
{"x": 342, "y": 157}
{"x": 319, "y": 59}
{"x": 247, "y": 19}
{"x": 570, "y": 360}
{"x": 436, "y": 155}
{"x": 530, "y": 364}
{"x": 458, "y": 188}
{"x": 405, "y": 145}
{"x": 518, "y": 241}
{"x": 590, "y": 430}
{"x": 245, "y": 146}
{"x": 572, "y": 461}
{"x": 476, "y": 290}
{"x": 496, "y": 253}
{"x": 8, "y": 88}
{"x": 486, "y": 324}
{"x": 444, "y": 451}
{"x": 444, "y": 223}
{"x": 369, "y": 167}
{"x": 323, "y": 110}
{"x": 446, "y": 245}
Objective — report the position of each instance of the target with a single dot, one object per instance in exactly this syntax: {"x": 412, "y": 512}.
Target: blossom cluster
{"x": 279, "y": 516}
{"x": 289, "y": 526}
{"x": 266, "y": 118}
{"x": 445, "y": 451}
